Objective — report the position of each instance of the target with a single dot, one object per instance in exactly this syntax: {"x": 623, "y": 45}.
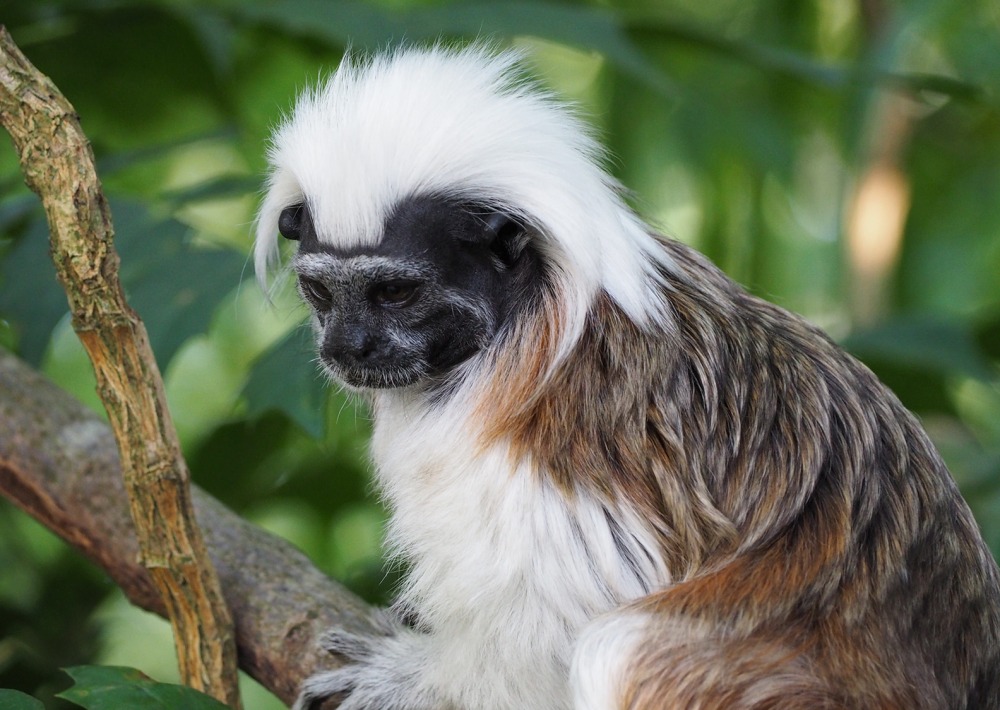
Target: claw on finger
{"x": 352, "y": 646}
{"x": 322, "y": 686}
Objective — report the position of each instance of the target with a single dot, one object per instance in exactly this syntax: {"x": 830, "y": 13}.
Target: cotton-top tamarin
{"x": 616, "y": 479}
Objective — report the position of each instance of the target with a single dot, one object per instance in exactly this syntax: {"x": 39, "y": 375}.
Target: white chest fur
{"x": 505, "y": 568}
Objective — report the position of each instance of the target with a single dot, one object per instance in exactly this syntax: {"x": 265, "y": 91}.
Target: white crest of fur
{"x": 463, "y": 124}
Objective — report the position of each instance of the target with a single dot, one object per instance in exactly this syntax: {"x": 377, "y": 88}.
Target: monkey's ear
{"x": 296, "y": 223}
{"x": 290, "y": 221}
{"x": 506, "y": 237}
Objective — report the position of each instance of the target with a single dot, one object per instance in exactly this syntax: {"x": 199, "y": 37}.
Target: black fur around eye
{"x": 315, "y": 292}
{"x": 395, "y": 294}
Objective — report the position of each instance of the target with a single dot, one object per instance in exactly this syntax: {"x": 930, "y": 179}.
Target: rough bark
{"x": 58, "y": 462}
{"x": 58, "y": 165}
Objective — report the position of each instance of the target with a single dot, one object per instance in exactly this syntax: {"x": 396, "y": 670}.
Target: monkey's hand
{"x": 382, "y": 671}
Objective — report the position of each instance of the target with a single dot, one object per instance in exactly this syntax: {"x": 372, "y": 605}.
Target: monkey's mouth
{"x": 384, "y": 377}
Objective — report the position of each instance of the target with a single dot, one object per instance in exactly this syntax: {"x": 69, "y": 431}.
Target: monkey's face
{"x": 434, "y": 290}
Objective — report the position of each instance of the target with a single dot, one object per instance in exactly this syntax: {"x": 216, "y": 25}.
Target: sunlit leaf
{"x": 223, "y": 187}
{"x": 124, "y": 159}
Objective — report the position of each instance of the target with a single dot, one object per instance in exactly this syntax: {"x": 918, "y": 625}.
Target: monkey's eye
{"x": 315, "y": 292}
{"x": 290, "y": 222}
{"x": 395, "y": 294}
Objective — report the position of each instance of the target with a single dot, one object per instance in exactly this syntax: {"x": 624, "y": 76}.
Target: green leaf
{"x": 31, "y": 297}
{"x": 926, "y": 343}
{"x": 364, "y": 25}
{"x": 122, "y": 160}
{"x": 140, "y": 97}
{"x": 218, "y": 188}
{"x": 285, "y": 378}
{"x": 790, "y": 63}
{"x": 19, "y": 206}
{"x": 112, "y": 687}
{"x": 174, "y": 286}
{"x": 16, "y": 700}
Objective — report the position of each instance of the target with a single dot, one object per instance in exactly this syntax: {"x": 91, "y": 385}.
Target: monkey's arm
{"x": 58, "y": 461}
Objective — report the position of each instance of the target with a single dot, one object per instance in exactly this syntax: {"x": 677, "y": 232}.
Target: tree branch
{"x": 58, "y": 164}
{"x": 59, "y": 463}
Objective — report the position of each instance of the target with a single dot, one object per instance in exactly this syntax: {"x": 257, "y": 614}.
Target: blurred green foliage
{"x": 741, "y": 128}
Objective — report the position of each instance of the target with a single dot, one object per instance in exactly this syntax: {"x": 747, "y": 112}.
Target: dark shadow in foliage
{"x": 48, "y": 625}
{"x": 174, "y": 286}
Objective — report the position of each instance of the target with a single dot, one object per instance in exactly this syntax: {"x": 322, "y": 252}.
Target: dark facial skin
{"x": 442, "y": 283}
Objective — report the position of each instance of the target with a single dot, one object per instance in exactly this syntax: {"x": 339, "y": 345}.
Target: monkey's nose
{"x": 353, "y": 346}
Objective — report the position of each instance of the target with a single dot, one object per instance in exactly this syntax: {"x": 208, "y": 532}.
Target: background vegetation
{"x": 839, "y": 157}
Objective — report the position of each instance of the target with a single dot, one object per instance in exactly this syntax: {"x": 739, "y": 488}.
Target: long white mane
{"x": 464, "y": 124}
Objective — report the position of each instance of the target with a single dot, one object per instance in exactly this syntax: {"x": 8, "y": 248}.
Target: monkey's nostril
{"x": 353, "y": 345}
{"x": 367, "y": 348}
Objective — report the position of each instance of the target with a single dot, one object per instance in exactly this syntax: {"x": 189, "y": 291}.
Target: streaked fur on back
{"x": 650, "y": 489}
